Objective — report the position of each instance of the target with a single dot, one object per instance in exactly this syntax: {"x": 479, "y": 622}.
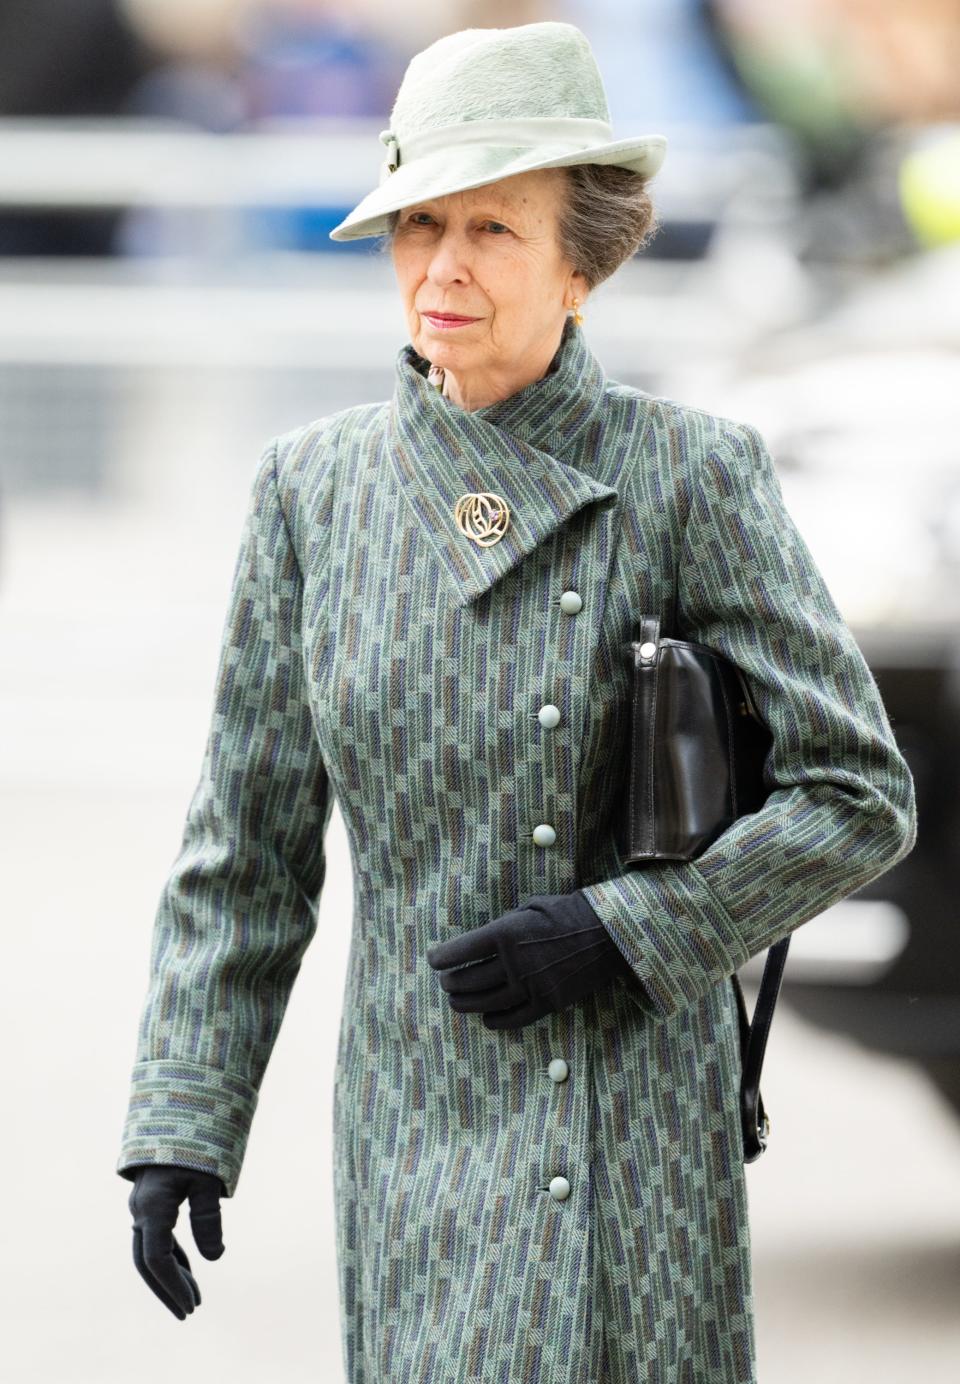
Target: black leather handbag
{"x": 697, "y": 751}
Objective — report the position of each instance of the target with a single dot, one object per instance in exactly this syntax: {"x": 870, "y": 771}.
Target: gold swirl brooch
{"x": 482, "y": 516}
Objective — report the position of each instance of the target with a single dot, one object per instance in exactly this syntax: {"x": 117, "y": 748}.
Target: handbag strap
{"x": 753, "y": 1042}
{"x": 753, "y": 1032}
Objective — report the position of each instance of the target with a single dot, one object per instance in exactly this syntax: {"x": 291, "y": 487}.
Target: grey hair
{"x": 607, "y": 217}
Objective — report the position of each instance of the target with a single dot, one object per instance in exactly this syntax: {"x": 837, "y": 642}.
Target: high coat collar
{"x": 440, "y": 451}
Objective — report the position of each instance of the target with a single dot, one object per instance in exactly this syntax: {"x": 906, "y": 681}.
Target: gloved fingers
{"x": 155, "y": 1207}
{"x": 500, "y": 997}
{"x": 180, "y": 1255}
{"x": 476, "y": 945}
{"x": 205, "y": 1218}
{"x": 181, "y": 1300}
{"x": 159, "y": 1257}
{"x": 534, "y": 1008}
{"x": 481, "y": 975}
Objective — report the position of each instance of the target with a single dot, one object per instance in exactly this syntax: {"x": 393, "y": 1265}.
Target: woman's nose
{"x": 448, "y": 260}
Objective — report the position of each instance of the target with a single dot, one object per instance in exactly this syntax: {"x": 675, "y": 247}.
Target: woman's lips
{"x": 447, "y": 320}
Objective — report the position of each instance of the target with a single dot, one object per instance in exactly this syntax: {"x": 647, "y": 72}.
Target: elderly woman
{"x": 538, "y": 1166}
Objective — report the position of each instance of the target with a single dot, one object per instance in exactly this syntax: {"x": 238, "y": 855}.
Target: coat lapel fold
{"x": 440, "y": 451}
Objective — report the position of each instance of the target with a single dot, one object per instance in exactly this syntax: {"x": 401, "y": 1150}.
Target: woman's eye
{"x": 415, "y": 220}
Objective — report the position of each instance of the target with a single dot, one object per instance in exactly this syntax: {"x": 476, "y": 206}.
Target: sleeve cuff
{"x": 187, "y": 1114}
{"x": 677, "y": 937}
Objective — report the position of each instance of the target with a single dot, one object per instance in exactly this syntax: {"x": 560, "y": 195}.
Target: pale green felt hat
{"x": 484, "y": 104}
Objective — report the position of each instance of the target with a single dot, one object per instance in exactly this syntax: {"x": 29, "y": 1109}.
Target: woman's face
{"x": 488, "y": 253}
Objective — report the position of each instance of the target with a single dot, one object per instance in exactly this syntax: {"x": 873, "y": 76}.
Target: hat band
{"x": 575, "y": 132}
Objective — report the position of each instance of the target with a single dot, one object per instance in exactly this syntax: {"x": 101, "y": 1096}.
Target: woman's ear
{"x": 577, "y": 288}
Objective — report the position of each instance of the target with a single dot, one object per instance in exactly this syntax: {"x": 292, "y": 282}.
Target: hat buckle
{"x": 392, "y": 162}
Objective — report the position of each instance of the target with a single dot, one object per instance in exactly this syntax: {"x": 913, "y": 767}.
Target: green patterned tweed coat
{"x": 374, "y": 654}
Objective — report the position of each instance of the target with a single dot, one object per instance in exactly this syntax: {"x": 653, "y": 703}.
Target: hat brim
{"x": 454, "y": 170}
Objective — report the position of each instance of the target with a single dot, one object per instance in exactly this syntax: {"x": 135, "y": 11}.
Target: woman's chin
{"x": 434, "y": 348}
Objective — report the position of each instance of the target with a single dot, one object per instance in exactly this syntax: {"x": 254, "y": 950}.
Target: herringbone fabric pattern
{"x": 373, "y": 654}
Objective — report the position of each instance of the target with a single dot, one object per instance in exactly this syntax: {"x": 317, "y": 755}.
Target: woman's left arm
{"x": 841, "y": 808}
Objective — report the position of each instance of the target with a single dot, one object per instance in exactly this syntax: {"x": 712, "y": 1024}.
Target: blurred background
{"x": 169, "y": 300}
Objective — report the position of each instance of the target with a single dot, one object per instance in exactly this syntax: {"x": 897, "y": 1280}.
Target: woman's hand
{"x": 158, "y": 1190}
{"x": 540, "y": 957}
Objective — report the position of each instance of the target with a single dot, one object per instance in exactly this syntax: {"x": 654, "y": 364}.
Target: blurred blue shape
{"x": 297, "y": 66}
{"x": 300, "y": 229}
{"x": 661, "y": 63}
{"x": 304, "y": 67}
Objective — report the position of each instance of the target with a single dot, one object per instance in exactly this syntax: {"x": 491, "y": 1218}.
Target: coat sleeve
{"x": 841, "y": 807}
{"x": 238, "y": 908}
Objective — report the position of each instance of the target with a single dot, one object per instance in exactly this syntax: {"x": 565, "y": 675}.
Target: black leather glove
{"x": 547, "y": 953}
{"x": 158, "y": 1190}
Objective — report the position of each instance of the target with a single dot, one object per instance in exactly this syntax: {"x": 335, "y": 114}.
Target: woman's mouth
{"x": 445, "y": 320}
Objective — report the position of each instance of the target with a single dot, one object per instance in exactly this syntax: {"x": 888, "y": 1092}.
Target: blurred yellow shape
{"x": 929, "y": 186}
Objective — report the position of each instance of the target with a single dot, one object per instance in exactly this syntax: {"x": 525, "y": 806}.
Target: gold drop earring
{"x": 577, "y": 318}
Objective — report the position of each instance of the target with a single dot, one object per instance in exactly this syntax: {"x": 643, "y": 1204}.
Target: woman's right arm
{"x": 239, "y": 906}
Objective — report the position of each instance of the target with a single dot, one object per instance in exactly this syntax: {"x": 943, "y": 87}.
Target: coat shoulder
{"x": 671, "y": 423}
{"x": 309, "y": 450}
{"x": 306, "y": 458}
